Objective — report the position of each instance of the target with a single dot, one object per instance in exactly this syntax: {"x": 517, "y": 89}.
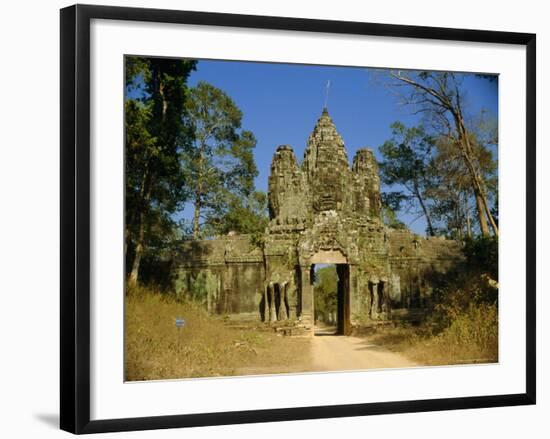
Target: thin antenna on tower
{"x": 326, "y": 94}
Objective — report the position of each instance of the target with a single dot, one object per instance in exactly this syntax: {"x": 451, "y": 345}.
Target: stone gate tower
{"x": 322, "y": 211}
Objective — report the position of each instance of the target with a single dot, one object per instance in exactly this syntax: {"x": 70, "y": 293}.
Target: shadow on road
{"x": 325, "y": 331}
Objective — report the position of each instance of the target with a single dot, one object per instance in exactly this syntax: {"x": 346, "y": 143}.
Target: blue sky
{"x": 281, "y": 103}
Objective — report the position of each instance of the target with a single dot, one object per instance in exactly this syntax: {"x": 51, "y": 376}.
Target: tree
{"x": 156, "y": 133}
{"x": 326, "y": 294}
{"x": 243, "y": 215}
{"x": 408, "y": 164}
{"x": 485, "y": 139}
{"x": 439, "y": 95}
{"x": 390, "y": 204}
{"x": 451, "y": 193}
{"x": 220, "y": 162}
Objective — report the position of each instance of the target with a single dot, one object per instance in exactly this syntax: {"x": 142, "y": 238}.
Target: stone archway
{"x": 340, "y": 261}
{"x": 329, "y": 257}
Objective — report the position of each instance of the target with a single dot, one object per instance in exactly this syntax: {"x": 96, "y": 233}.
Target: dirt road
{"x": 331, "y": 353}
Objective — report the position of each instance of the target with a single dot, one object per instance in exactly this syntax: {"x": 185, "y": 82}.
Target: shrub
{"x": 482, "y": 255}
{"x": 455, "y": 298}
{"x": 462, "y": 323}
{"x": 475, "y": 329}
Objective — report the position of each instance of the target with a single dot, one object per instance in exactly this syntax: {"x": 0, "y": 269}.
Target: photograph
{"x": 294, "y": 218}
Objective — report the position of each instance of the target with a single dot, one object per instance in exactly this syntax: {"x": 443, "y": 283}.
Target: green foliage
{"x": 453, "y": 297}
{"x": 473, "y": 285}
{"x": 482, "y": 255}
{"x": 465, "y": 318}
{"x": 242, "y": 215}
{"x": 136, "y": 74}
{"x": 452, "y": 197}
{"x": 156, "y": 134}
{"x": 389, "y": 217}
{"x": 407, "y": 155}
{"x": 183, "y": 145}
{"x": 326, "y": 294}
{"x": 220, "y": 162}
{"x": 462, "y": 322}
{"x": 408, "y": 165}
{"x": 432, "y": 179}
{"x": 440, "y": 98}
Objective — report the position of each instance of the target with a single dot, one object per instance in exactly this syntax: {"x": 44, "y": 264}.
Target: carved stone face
{"x": 327, "y": 166}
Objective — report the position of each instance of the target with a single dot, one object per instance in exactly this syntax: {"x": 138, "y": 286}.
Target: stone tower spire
{"x": 324, "y": 137}
{"x": 326, "y": 165}
{"x": 367, "y": 201}
{"x": 286, "y": 186}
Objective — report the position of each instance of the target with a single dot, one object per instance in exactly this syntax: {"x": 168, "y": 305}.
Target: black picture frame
{"x": 75, "y": 217}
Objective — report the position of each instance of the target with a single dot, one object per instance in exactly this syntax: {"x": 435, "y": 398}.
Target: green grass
{"x": 205, "y": 347}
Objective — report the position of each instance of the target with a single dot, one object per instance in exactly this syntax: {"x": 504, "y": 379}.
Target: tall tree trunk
{"x": 145, "y": 198}
{"x": 481, "y": 215}
{"x": 138, "y": 251}
{"x": 424, "y": 209}
{"x": 158, "y": 88}
{"x": 126, "y": 239}
{"x": 198, "y": 194}
{"x": 196, "y": 216}
{"x": 146, "y": 187}
{"x": 446, "y": 101}
{"x": 484, "y": 211}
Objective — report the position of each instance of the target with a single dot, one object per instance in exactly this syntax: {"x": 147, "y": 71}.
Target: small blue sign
{"x": 180, "y": 323}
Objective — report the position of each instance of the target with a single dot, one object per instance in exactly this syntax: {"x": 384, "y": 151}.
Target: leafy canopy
{"x": 220, "y": 163}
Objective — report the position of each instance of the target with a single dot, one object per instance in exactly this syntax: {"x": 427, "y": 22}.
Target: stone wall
{"x": 226, "y": 275}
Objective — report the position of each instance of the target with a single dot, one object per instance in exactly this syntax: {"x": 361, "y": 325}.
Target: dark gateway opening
{"x": 331, "y": 299}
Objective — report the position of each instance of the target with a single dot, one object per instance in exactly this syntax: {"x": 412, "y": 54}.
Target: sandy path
{"x": 352, "y": 353}
{"x": 333, "y": 353}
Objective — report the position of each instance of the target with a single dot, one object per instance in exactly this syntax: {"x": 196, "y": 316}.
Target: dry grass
{"x": 205, "y": 347}
{"x": 209, "y": 346}
{"x": 471, "y": 338}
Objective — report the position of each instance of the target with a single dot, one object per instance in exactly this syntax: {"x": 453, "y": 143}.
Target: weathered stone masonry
{"x": 321, "y": 211}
